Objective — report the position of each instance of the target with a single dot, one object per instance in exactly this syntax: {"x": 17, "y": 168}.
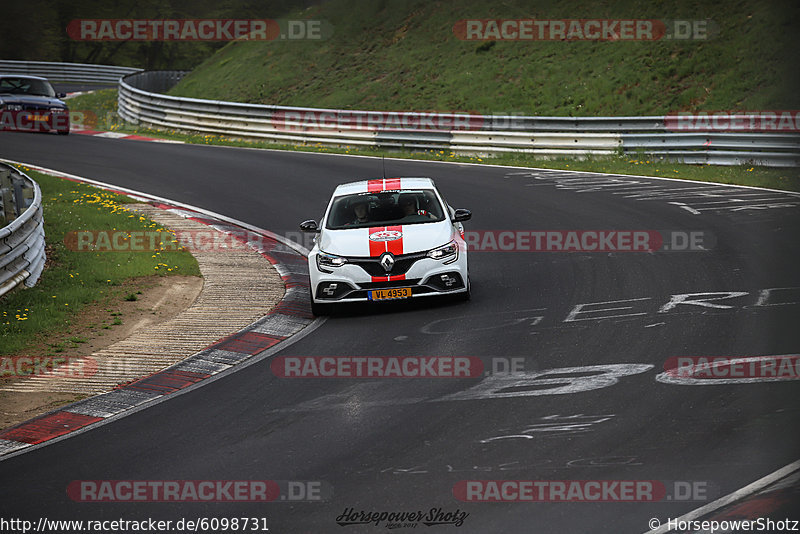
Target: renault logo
{"x": 387, "y": 261}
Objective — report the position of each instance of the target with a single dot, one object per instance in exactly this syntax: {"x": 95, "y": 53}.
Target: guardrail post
{"x": 19, "y": 197}
{"x": 7, "y": 213}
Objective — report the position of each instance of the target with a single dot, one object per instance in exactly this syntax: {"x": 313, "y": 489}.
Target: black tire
{"x": 466, "y": 295}
{"x": 319, "y": 309}
{"x": 62, "y": 132}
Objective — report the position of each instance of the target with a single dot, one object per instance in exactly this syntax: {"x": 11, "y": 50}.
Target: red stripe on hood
{"x": 376, "y": 248}
{"x": 396, "y": 246}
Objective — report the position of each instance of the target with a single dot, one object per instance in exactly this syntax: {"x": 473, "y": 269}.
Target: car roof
{"x": 383, "y": 184}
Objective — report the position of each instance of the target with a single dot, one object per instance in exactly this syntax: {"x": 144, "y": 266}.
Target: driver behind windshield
{"x": 360, "y": 212}
{"x": 409, "y": 203}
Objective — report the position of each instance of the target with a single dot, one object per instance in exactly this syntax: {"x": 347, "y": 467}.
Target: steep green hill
{"x": 404, "y": 54}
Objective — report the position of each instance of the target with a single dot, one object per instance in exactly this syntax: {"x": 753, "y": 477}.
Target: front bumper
{"x": 426, "y": 277}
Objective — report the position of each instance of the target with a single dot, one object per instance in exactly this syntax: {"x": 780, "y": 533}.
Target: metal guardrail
{"x": 68, "y": 72}
{"x": 141, "y": 102}
{"x": 22, "y": 245}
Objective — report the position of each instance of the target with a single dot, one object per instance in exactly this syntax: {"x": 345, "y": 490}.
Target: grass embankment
{"x": 74, "y": 279}
{"x": 404, "y": 55}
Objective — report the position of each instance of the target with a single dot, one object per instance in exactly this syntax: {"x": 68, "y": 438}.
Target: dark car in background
{"x": 29, "y": 103}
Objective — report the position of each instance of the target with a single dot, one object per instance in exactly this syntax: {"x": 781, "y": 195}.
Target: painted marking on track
{"x": 608, "y": 461}
{"x": 554, "y": 425}
{"x": 517, "y": 465}
{"x": 737, "y": 495}
{"x": 730, "y": 198}
{"x": 562, "y": 381}
{"x": 678, "y": 305}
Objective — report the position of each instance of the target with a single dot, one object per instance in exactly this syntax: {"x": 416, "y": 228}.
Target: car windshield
{"x": 26, "y": 86}
{"x": 384, "y": 209}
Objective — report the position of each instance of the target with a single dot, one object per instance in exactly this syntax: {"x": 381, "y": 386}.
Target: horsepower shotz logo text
{"x": 402, "y": 519}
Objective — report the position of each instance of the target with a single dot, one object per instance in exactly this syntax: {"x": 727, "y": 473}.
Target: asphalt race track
{"x": 402, "y": 445}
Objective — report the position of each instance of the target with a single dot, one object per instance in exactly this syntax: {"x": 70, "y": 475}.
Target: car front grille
{"x": 393, "y": 283}
{"x": 402, "y": 263}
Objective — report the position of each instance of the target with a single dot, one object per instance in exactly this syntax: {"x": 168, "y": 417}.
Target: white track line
{"x": 728, "y": 499}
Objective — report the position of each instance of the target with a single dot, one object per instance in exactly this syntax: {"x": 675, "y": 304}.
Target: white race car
{"x": 387, "y": 239}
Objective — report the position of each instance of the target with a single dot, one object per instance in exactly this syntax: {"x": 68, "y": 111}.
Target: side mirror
{"x": 61, "y": 95}
{"x": 462, "y": 215}
{"x": 309, "y": 226}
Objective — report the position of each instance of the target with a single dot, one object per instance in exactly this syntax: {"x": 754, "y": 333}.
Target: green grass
{"x": 404, "y": 55}
{"x": 97, "y": 110}
{"x": 74, "y": 279}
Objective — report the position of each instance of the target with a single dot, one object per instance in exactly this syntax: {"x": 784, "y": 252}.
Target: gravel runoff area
{"x": 239, "y": 286}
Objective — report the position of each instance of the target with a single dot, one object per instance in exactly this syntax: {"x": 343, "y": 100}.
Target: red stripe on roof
{"x": 374, "y": 186}
{"x": 391, "y": 183}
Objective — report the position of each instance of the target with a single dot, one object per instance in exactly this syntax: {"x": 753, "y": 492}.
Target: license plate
{"x": 388, "y": 294}
{"x": 37, "y": 117}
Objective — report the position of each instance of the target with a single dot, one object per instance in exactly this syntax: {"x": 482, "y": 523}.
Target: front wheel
{"x": 319, "y": 309}
{"x": 466, "y": 295}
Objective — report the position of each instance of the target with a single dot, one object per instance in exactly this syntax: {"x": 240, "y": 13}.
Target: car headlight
{"x": 57, "y": 110}
{"x": 13, "y": 107}
{"x": 450, "y": 249}
{"x": 329, "y": 260}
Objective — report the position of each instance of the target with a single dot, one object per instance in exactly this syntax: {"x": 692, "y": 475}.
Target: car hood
{"x": 373, "y": 241}
{"x": 32, "y": 100}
